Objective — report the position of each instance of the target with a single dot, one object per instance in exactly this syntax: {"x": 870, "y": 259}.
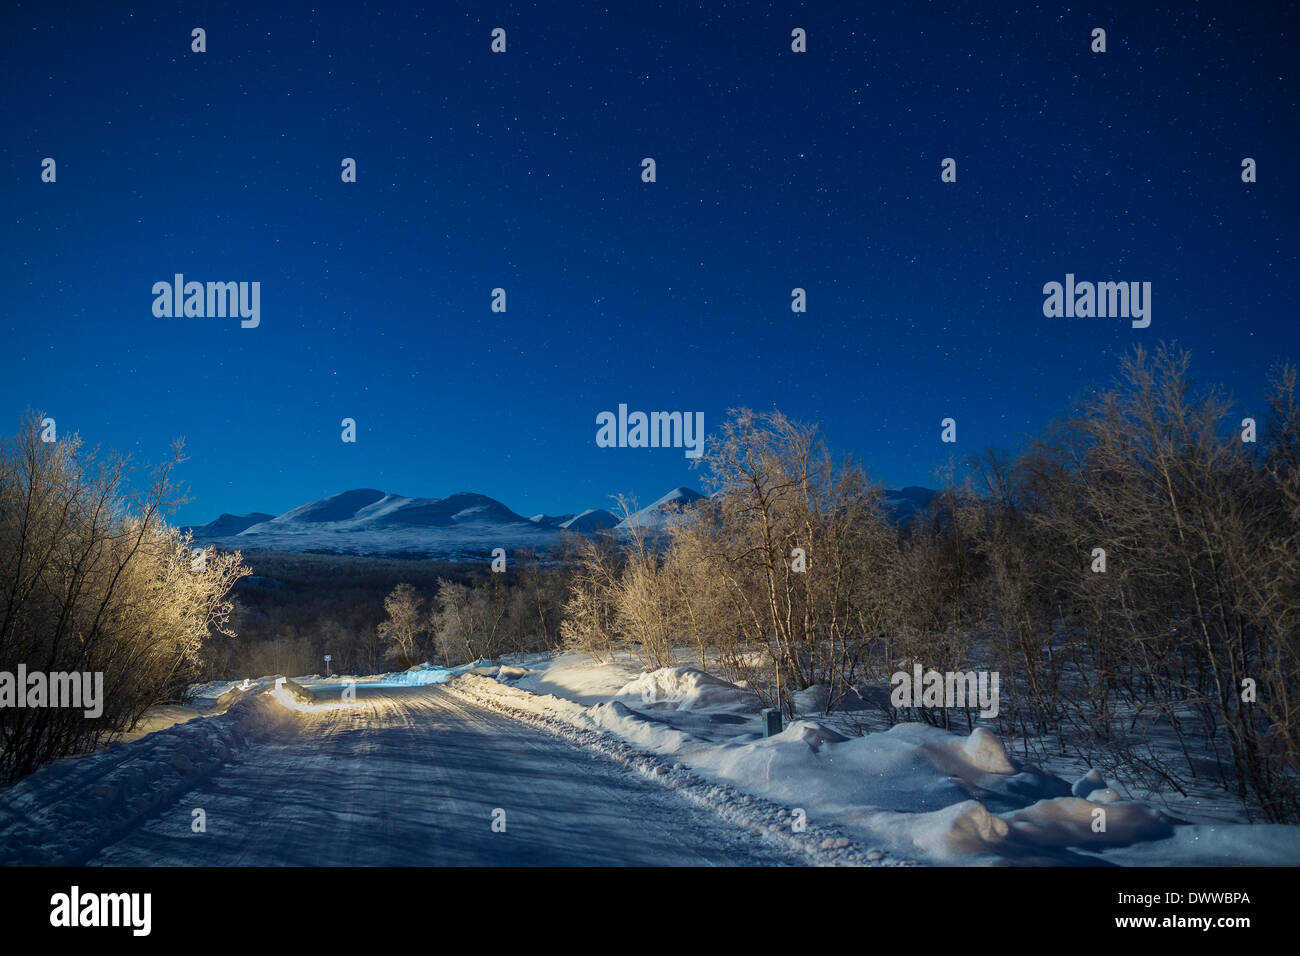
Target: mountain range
{"x": 463, "y": 526}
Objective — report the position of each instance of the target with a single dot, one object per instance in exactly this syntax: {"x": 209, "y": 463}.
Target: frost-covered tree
{"x": 93, "y": 579}
{"x": 404, "y": 626}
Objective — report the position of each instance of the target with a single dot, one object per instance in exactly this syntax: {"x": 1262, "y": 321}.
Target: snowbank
{"x": 688, "y": 688}
{"x": 913, "y": 792}
{"x": 417, "y": 676}
{"x": 575, "y": 677}
{"x": 910, "y": 794}
{"x": 65, "y": 812}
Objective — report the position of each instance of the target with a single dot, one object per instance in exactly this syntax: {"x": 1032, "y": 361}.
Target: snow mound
{"x": 418, "y": 676}
{"x": 915, "y": 792}
{"x": 1104, "y": 796}
{"x": 295, "y": 691}
{"x": 642, "y": 729}
{"x": 1086, "y": 784}
{"x": 241, "y": 690}
{"x": 575, "y": 677}
{"x": 986, "y": 752}
{"x": 1073, "y": 821}
{"x": 813, "y": 734}
{"x": 958, "y": 833}
{"x": 689, "y": 688}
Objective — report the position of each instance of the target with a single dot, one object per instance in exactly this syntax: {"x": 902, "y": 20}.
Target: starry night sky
{"x": 522, "y": 170}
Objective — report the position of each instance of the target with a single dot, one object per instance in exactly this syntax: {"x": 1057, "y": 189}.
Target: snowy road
{"x": 411, "y": 776}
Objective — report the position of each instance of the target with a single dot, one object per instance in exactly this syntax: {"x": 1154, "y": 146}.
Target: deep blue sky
{"x": 522, "y": 170}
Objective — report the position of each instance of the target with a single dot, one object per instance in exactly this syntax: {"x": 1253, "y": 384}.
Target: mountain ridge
{"x": 463, "y": 525}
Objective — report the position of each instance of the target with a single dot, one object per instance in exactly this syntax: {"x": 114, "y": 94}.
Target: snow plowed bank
{"x": 64, "y": 813}
{"x": 918, "y": 792}
{"x": 764, "y": 819}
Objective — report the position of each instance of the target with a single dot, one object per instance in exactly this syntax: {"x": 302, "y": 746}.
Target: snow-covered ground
{"x": 917, "y": 792}
{"x": 590, "y": 763}
{"x": 405, "y": 774}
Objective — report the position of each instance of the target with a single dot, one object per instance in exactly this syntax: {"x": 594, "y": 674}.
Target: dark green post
{"x": 771, "y": 721}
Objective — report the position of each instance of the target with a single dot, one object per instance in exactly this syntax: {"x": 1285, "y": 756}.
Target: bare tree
{"x": 404, "y": 626}
{"x": 92, "y": 579}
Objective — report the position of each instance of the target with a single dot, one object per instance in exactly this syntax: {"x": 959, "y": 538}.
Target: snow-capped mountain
{"x": 659, "y": 513}
{"x": 902, "y": 505}
{"x": 593, "y": 519}
{"x": 370, "y": 521}
{"x": 463, "y": 526}
{"x": 228, "y": 524}
{"x": 590, "y": 521}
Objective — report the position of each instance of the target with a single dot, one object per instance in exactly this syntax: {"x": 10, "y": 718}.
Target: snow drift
{"x": 914, "y": 792}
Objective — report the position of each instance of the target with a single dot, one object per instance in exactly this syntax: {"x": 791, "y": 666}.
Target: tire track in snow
{"x": 410, "y": 776}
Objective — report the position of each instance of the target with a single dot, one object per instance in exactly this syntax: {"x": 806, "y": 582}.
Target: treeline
{"x": 482, "y": 615}
{"x": 296, "y": 608}
{"x": 373, "y": 614}
{"x": 1133, "y": 577}
{"x": 93, "y": 581}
